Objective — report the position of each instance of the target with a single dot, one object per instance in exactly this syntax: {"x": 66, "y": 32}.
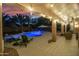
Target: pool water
{"x": 33, "y": 34}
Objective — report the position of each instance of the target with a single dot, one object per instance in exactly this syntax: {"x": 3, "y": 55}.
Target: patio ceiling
{"x": 41, "y": 8}
{"x": 56, "y": 11}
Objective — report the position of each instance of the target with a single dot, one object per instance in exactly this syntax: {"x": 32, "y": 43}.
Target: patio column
{"x": 53, "y": 31}
{"x": 73, "y": 25}
{"x": 62, "y": 28}
{"x": 65, "y": 28}
{"x": 1, "y": 41}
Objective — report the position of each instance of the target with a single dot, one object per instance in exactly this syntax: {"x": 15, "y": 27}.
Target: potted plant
{"x": 68, "y": 35}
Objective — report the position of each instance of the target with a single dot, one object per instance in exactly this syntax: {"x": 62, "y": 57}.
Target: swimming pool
{"x": 28, "y": 34}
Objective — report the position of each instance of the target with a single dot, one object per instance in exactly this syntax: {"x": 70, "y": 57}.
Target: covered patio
{"x": 58, "y": 41}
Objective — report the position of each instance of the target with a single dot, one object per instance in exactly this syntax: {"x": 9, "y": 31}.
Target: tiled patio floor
{"x": 40, "y": 47}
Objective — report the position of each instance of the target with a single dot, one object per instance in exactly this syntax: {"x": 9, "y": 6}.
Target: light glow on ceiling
{"x": 51, "y": 5}
{"x": 76, "y": 23}
{"x": 30, "y": 8}
{"x": 42, "y": 15}
{"x": 56, "y": 20}
{"x": 76, "y": 26}
{"x": 50, "y": 17}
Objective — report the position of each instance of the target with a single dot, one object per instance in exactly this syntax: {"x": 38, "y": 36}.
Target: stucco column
{"x": 65, "y": 28}
{"x": 73, "y": 25}
{"x": 1, "y": 41}
{"x": 62, "y": 28}
{"x": 53, "y": 31}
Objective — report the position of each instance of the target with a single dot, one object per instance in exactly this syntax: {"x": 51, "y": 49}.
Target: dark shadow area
{"x": 10, "y": 52}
